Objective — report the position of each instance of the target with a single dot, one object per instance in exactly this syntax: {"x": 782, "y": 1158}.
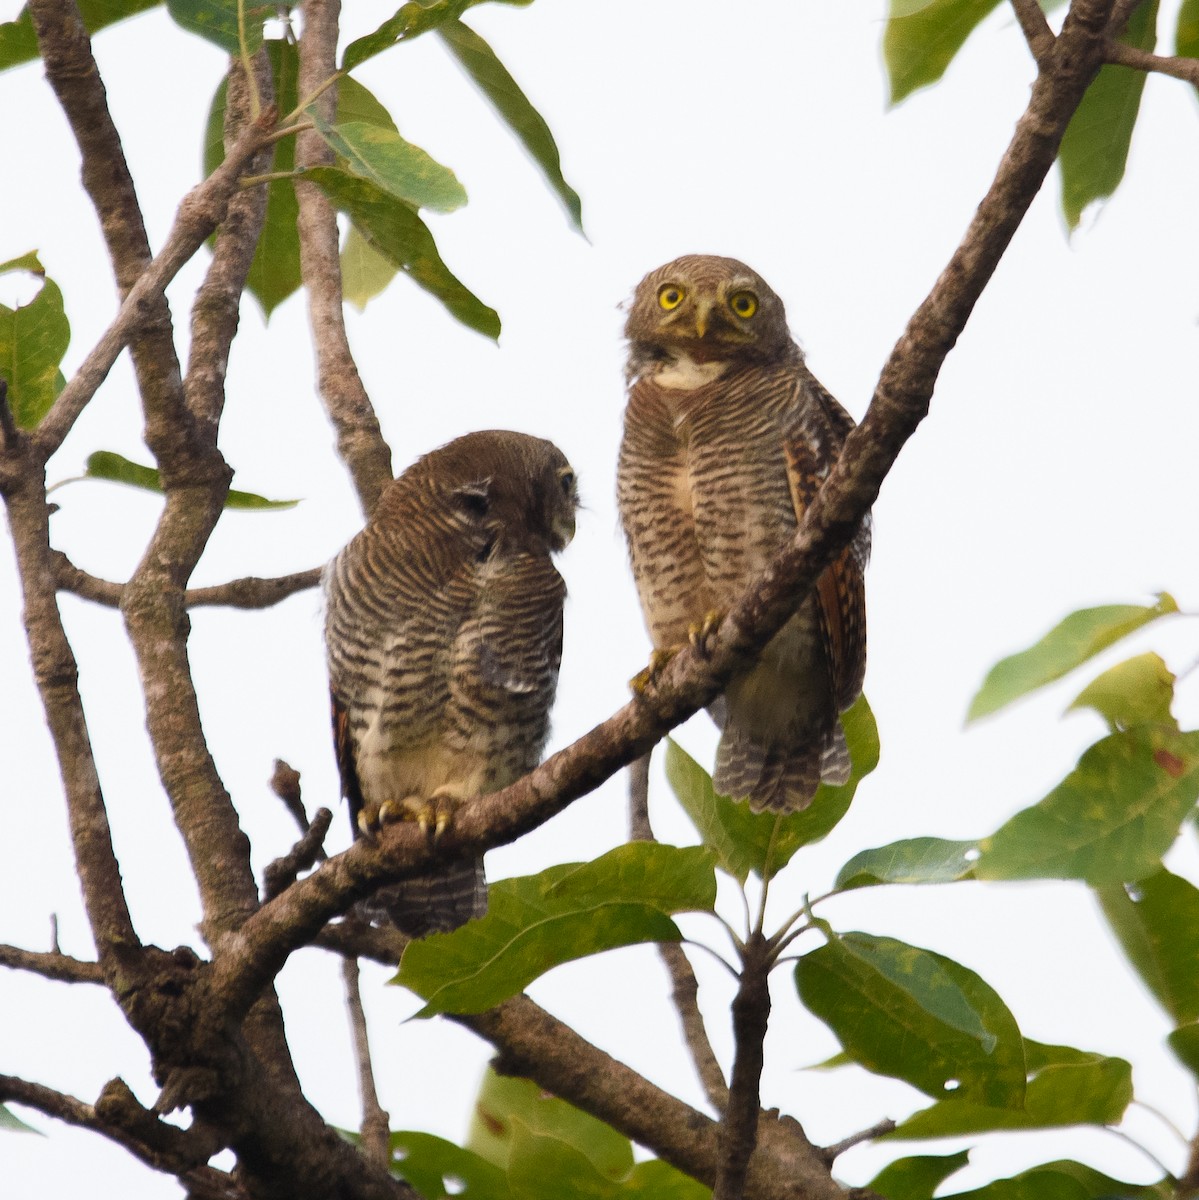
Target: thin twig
{"x": 1035, "y": 27}
{"x": 1177, "y": 67}
{"x": 250, "y": 592}
{"x": 833, "y": 1152}
{"x": 376, "y": 1124}
{"x": 283, "y": 872}
{"x": 359, "y": 441}
{"x": 684, "y": 985}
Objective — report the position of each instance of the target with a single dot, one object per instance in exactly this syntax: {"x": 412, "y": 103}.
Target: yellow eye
{"x": 744, "y": 304}
{"x": 670, "y": 295}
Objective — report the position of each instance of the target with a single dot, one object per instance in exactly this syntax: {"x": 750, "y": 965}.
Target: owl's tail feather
{"x": 435, "y": 903}
{"x": 835, "y": 764}
{"x": 781, "y": 777}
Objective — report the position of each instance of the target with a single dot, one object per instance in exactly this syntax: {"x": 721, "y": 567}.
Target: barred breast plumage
{"x": 727, "y": 438}
{"x": 444, "y": 636}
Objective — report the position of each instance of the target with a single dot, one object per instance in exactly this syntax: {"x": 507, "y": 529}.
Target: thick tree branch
{"x": 51, "y": 964}
{"x": 1177, "y": 67}
{"x": 67, "y": 54}
{"x": 359, "y": 440}
{"x": 1036, "y": 28}
{"x": 684, "y": 986}
{"x": 250, "y": 592}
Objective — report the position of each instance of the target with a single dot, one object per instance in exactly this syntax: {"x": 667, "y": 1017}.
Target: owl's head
{"x": 709, "y": 308}
{"x": 516, "y": 490}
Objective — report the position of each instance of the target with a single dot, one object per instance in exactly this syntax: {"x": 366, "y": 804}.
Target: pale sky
{"x": 1056, "y": 470}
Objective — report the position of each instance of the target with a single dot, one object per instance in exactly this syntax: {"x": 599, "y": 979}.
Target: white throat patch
{"x": 685, "y": 374}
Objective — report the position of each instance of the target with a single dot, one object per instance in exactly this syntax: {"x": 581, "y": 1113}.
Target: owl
{"x": 727, "y": 438}
{"x": 443, "y": 629}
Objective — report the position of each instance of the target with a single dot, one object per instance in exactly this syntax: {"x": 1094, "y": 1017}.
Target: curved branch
{"x": 359, "y": 439}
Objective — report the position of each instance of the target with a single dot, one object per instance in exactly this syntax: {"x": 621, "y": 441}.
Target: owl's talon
{"x": 373, "y": 817}
{"x": 700, "y": 633}
{"x": 647, "y": 679}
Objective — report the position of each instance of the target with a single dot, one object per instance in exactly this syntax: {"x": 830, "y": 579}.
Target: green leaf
{"x": 544, "y": 1167}
{"x": 409, "y": 21}
{"x": 1157, "y": 923}
{"x": 429, "y": 1163}
{"x": 921, "y": 40}
{"x": 478, "y": 60}
{"x": 18, "y": 42}
{"x": 921, "y": 1017}
{"x": 393, "y": 228}
{"x": 105, "y": 464}
{"x": 365, "y": 273}
{"x": 913, "y": 860}
{"x": 393, "y": 164}
{"x": 1067, "y": 645}
{"x": 1094, "y": 151}
{"x": 1065, "y": 1087}
{"x": 918, "y": 1177}
{"x": 218, "y": 21}
{"x": 1186, "y": 32}
{"x": 1064, "y": 1181}
{"x": 504, "y": 1101}
{"x": 658, "y": 1180}
{"x": 11, "y": 1123}
{"x": 1110, "y": 820}
{"x": 275, "y": 269}
{"x": 1137, "y": 691}
{"x": 741, "y": 838}
{"x": 1184, "y": 1041}
{"x": 536, "y": 922}
{"x": 33, "y": 339}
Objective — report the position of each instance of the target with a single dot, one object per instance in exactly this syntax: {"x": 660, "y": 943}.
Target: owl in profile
{"x": 444, "y": 634}
{"x": 727, "y": 438}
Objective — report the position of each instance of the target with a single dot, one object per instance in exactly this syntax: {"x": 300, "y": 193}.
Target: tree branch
{"x": 1177, "y": 67}
{"x": 67, "y": 54}
{"x": 684, "y": 986}
{"x": 51, "y": 964}
{"x": 1035, "y": 27}
{"x": 117, "y": 1116}
{"x": 376, "y": 1124}
{"x": 250, "y": 592}
{"x": 199, "y": 213}
{"x": 751, "y": 1016}
{"x": 359, "y": 440}
{"x": 281, "y": 874}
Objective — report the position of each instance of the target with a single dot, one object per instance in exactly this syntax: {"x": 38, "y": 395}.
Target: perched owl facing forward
{"x": 727, "y": 438}
{"x": 444, "y": 634}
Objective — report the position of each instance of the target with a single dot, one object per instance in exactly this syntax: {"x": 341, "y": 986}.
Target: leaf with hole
{"x": 916, "y": 1015}
{"x": 537, "y": 922}
{"x": 1110, "y": 820}
{"x": 1156, "y": 921}
{"x": 432, "y": 1165}
{"x": 33, "y": 339}
{"x": 1067, "y": 645}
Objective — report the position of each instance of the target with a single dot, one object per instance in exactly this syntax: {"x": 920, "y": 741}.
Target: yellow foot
{"x": 700, "y": 633}
{"x": 433, "y": 814}
{"x": 643, "y": 681}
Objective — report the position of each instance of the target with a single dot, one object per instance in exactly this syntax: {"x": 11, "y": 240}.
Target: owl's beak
{"x": 703, "y": 312}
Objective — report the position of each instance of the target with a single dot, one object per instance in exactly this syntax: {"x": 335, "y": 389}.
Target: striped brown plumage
{"x": 443, "y": 629}
{"x": 727, "y": 438}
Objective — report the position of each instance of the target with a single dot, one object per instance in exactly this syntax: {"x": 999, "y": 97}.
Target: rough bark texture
{"x": 213, "y": 1028}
